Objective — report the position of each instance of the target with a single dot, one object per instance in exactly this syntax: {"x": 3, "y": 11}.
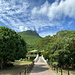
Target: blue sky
{"x": 44, "y": 16}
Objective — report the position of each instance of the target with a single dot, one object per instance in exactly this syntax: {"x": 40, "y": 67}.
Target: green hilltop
{"x": 31, "y": 38}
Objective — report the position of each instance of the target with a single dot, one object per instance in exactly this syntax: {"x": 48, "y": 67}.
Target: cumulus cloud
{"x": 41, "y": 10}
{"x": 22, "y": 28}
{"x": 43, "y": 34}
{"x": 57, "y": 9}
{"x": 21, "y": 16}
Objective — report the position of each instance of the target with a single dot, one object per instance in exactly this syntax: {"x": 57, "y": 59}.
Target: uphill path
{"x": 41, "y": 68}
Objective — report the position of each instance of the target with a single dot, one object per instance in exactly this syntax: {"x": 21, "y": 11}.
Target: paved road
{"x": 41, "y": 68}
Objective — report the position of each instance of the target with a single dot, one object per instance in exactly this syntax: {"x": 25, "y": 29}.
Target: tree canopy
{"x": 12, "y": 46}
{"x": 59, "y": 48}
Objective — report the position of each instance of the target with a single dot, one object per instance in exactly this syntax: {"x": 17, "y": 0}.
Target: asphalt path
{"x": 41, "y": 68}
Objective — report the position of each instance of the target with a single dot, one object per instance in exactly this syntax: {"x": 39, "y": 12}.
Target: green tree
{"x": 59, "y": 48}
{"x": 12, "y": 46}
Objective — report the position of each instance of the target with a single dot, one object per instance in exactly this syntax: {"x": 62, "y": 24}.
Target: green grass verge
{"x": 18, "y": 62}
{"x": 66, "y": 73}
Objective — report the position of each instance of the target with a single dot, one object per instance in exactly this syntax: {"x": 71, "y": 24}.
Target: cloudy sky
{"x": 44, "y": 16}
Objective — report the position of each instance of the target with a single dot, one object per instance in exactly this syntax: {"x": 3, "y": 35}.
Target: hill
{"x": 31, "y": 38}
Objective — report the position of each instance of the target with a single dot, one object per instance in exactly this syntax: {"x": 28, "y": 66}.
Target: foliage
{"x": 59, "y": 48}
{"x": 12, "y": 46}
{"x": 31, "y": 38}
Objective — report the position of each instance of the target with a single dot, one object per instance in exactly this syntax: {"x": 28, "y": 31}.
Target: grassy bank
{"x": 18, "y": 67}
{"x": 66, "y": 73}
{"x": 18, "y": 62}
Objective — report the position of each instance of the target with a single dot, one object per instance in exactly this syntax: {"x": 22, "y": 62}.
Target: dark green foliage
{"x": 12, "y": 46}
{"x": 31, "y": 38}
{"x": 59, "y": 48}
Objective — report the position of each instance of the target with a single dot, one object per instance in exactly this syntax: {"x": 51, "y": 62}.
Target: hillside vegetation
{"x": 31, "y": 38}
{"x": 59, "y": 49}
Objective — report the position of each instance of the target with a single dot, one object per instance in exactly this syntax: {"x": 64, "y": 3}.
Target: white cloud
{"x": 56, "y": 10}
{"x": 42, "y": 10}
{"x": 43, "y": 34}
{"x": 22, "y": 16}
{"x": 26, "y": 28}
{"x": 3, "y": 21}
{"x": 10, "y": 13}
{"x": 12, "y": 8}
{"x": 22, "y": 28}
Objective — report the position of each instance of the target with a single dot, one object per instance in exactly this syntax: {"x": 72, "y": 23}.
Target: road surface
{"x": 41, "y": 68}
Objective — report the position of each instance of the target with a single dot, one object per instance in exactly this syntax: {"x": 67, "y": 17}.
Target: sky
{"x": 46, "y": 17}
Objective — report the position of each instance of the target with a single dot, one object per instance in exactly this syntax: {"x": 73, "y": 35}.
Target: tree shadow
{"x": 70, "y": 69}
{"x": 39, "y": 68}
{"x": 13, "y": 70}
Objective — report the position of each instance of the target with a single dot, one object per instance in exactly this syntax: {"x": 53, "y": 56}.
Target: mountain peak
{"x": 30, "y": 32}
{"x": 31, "y": 37}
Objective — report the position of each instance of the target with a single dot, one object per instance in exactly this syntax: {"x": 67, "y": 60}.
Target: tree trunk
{"x": 68, "y": 71}
{"x": 61, "y": 71}
{"x": 57, "y": 69}
{"x": 1, "y": 64}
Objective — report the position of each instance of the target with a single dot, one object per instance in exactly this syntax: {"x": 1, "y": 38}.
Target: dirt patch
{"x": 18, "y": 67}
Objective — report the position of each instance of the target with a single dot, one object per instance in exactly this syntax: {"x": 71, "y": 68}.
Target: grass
{"x": 19, "y": 66}
{"x": 66, "y": 73}
{"x": 18, "y": 62}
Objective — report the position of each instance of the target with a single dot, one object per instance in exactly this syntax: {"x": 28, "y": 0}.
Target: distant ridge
{"x": 30, "y": 32}
{"x": 31, "y": 37}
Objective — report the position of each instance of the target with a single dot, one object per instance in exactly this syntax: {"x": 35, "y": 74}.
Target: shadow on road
{"x": 40, "y": 68}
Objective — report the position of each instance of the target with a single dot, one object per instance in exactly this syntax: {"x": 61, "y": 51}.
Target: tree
{"x": 60, "y": 48}
{"x": 12, "y": 46}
